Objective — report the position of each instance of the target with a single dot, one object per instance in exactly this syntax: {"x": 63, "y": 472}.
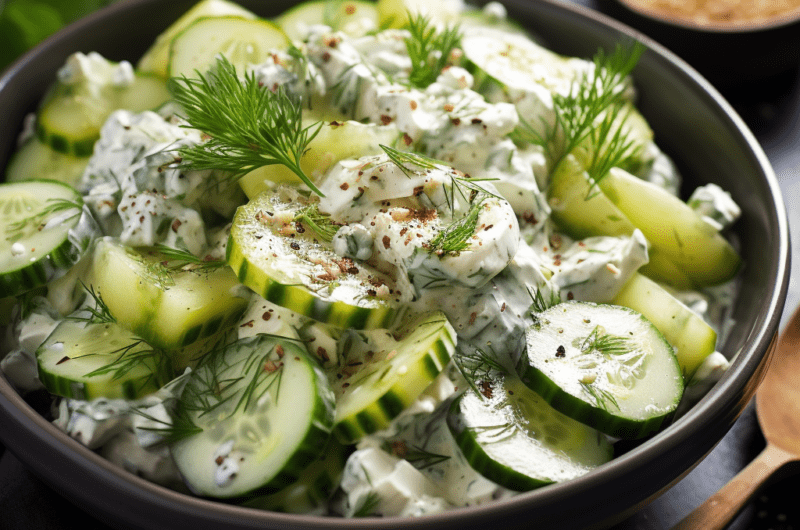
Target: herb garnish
{"x": 476, "y": 367}
{"x": 591, "y": 112}
{"x": 320, "y": 223}
{"x": 428, "y": 49}
{"x": 176, "y": 259}
{"x": 249, "y": 125}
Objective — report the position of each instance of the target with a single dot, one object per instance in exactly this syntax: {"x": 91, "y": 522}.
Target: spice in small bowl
{"x": 731, "y": 42}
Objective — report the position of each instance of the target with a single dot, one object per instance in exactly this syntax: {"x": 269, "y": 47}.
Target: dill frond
{"x": 428, "y": 49}
{"x": 320, "y": 223}
{"x": 98, "y": 312}
{"x": 249, "y": 125}
{"x": 605, "y": 343}
{"x": 476, "y": 367}
{"x": 181, "y": 259}
{"x": 53, "y": 206}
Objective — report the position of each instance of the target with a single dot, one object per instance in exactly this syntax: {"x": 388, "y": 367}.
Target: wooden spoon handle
{"x": 720, "y": 508}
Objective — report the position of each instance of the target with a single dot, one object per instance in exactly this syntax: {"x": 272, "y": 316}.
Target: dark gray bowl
{"x": 692, "y": 123}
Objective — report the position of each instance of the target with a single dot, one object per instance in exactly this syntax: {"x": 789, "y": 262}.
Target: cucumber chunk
{"x": 511, "y": 436}
{"x": 37, "y": 160}
{"x": 384, "y": 373}
{"x": 260, "y": 411}
{"x": 285, "y": 259}
{"x": 169, "y": 308}
{"x": 46, "y": 230}
{"x": 313, "y": 488}
{"x": 156, "y": 58}
{"x": 352, "y": 17}
{"x": 335, "y": 141}
{"x": 605, "y": 366}
{"x": 692, "y": 244}
{"x": 88, "y": 360}
{"x": 242, "y": 41}
{"x": 690, "y": 336}
{"x": 71, "y": 115}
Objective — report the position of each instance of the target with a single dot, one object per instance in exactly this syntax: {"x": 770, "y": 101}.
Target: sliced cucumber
{"x": 352, "y": 17}
{"x": 394, "y": 13}
{"x": 284, "y": 259}
{"x": 260, "y": 411}
{"x": 514, "y": 61}
{"x": 513, "y": 437}
{"x": 313, "y": 488}
{"x": 580, "y": 208}
{"x": 36, "y": 160}
{"x": 71, "y": 115}
{"x": 156, "y": 58}
{"x": 673, "y": 228}
{"x": 88, "y": 360}
{"x": 335, "y": 141}
{"x": 46, "y": 230}
{"x": 377, "y": 381}
{"x": 605, "y": 366}
{"x": 690, "y": 336}
{"x": 169, "y": 308}
{"x": 242, "y": 41}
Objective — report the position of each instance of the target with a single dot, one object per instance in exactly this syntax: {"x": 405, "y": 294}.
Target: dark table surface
{"x": 772, "y": 110}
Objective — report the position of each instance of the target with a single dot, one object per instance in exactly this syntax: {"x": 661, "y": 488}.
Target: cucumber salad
{"x": 362, "y": 259}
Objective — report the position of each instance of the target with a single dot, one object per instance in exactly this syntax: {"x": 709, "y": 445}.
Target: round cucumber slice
{"x": 258, "y": 412}
{"x": 242, "y": 41}
{"x": 46, "y": 229}
{"x": 605, "y": 366}
{"x": 376, "y": 381}
{"x": 88, "y": 360}
{"x": 511, "y": 436}
{"x": 156, "y": 58}
{"x": 352, "y": 17}
{"x": 278, "y": 253}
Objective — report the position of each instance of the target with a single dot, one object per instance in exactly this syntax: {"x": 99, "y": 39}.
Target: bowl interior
{"x": 692, "y": 123}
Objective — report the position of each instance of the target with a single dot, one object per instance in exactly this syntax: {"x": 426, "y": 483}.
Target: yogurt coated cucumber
{"x": 605, "y": 366}
{"x": 510, "y": 435}
{"x": 259, "y": 412}
{"x": 279, "y": 251}
{"x": 46, "y": 230}
{"x": 170, "y": 308}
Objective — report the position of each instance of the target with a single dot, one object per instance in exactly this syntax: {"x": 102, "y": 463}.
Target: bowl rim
{"x": 720, "y": 28}
{"x": 25, "y": 417}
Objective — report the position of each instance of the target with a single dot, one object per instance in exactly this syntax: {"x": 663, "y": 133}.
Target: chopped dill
{"x": 603, "y": 398}
{"x": 53, "y": 206}
{"x": 320, "y": 223}
{"x": 476, "y": 367}
{"x": 98, "y": 312}
{"x": 176, "y": 259}
{"x": 249, "y": 126}
{"x": 605, "y": 343}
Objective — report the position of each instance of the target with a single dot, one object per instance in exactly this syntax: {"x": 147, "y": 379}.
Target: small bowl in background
{"x": 728, "y": 47}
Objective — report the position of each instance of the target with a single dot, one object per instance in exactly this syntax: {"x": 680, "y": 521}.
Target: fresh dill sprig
{"x": 539, "y": 304}
{"x": 603, "y": 398}
{"x": 605, "y": 343}
{"x": 592, "y": 111}
{"x": 98, "y": 312}
{"x": 422, "y": 459}
{"x": 176, "y": 259}
{"x": 477, "y": 367}
{"x": 320, "y": 223}
{"x": 179, "y": 428}
{"x": 497, "y": 433}
{"x": 404, "y": 160}
{"x": 454, "y": 238}
{"x": 249, "y": 126}
{"x": 53, "y": 206}
{"x": 428, "y": 49}
{"x": 131, "y": 356}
